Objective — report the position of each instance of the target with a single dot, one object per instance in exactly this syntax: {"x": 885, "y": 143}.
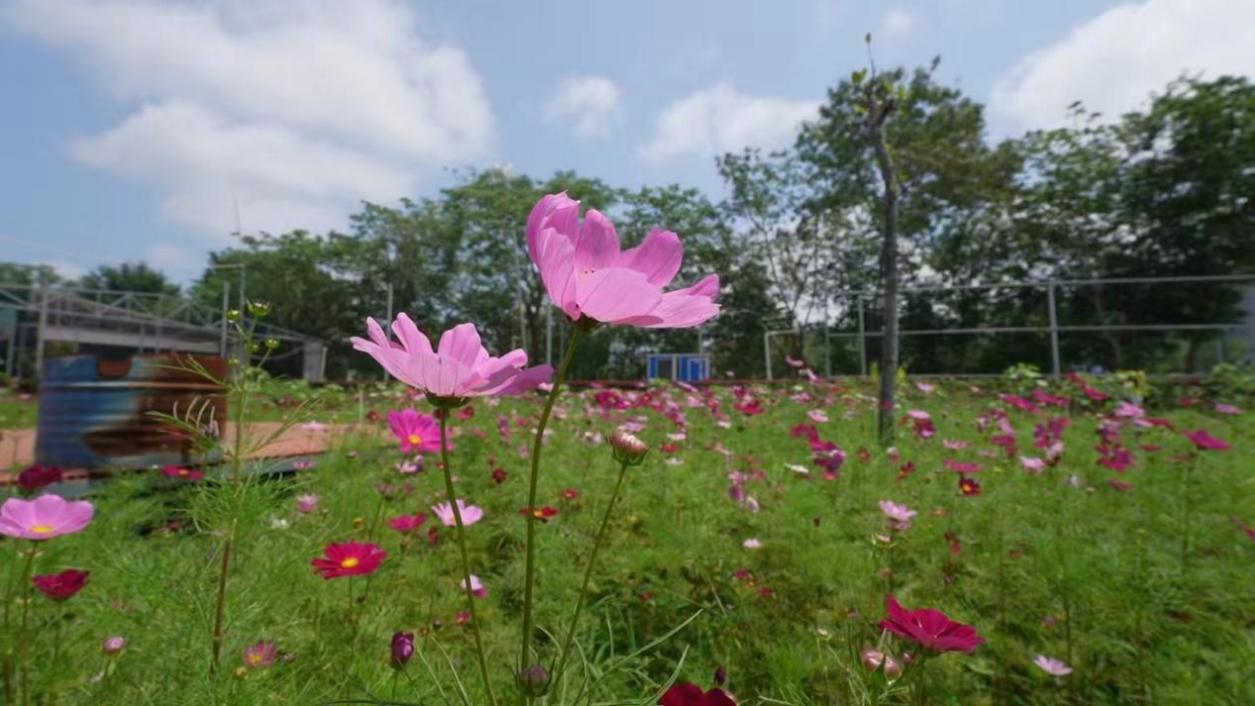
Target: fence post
{"x": 1054, "y": 329}
{"x": 767, "y": 353}
{"x": 862, "y": 339}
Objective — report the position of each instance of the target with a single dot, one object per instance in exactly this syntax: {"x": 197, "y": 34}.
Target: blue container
{"x": 96, "y": 412}
{"x": 687, "y": 367}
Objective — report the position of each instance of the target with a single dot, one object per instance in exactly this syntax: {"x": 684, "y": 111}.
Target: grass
{"x": 1089, "y": 574}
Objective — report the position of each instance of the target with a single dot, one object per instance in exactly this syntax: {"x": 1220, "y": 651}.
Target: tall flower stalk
{"x": 529, "y": 573}
{"x": 466, "y": 559}
{"x": 628, "y": 451}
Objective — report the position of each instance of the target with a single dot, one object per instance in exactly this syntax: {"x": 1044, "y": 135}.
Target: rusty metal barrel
{"x": 98, "y": 412}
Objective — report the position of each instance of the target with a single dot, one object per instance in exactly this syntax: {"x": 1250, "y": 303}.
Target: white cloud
{"x": 591, "y": 105}
{"x": 297, "y": 109}
{"x": 1114, "y": 61}
{"x": 719, "y": 119}
{"x": 897, "y": 22}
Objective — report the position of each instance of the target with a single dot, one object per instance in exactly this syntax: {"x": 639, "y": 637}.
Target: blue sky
{"x": 138, "y": 129}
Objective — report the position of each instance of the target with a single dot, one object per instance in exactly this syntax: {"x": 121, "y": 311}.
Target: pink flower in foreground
{"x": 417, "y": 432}
{"x": 588, "y": 276}
{"x": 459, "y": 367}
{"x": 930, "y": 629}
{"x": 1050, "y": 665}
{"x": 45, "y": 517}
{"x": 470, "y": 513}
{"x": 1204, "y": 441}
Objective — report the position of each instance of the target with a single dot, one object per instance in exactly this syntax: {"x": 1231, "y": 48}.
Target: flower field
{"x": 1083, "y": 549}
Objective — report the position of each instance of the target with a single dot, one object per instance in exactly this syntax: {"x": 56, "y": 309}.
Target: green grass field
{"x": 1145, "y": 589}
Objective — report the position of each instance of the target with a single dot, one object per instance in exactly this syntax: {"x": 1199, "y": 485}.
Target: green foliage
{"x": 129, "y": 277}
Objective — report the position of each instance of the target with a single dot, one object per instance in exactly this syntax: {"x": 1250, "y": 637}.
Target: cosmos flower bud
{"x": 628, "y": 448}
{"x": 871, "y": 658}
{"x": 402, "y": 648}
{"x": 114, "y": 645}
{"x": 721, "y": 676}
{"x": 893, "y": 668}
{"x": 533, "y": 681}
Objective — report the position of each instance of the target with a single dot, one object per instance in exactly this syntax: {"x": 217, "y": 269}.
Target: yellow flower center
{"x": 254, "y": 659}
{"x": 414, "y": 439}
{"x": 41, "y": 528}
{"x": 349, "y": 563}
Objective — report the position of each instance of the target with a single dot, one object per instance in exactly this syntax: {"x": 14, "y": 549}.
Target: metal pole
{"x": 827, "y": 347}
{"x": 862, "y": 339}
{"x": 39, "y": 332}
{"x": 243, "y": 300}
{"x": 226, "y": 303}
{"x": 1054, "y": 330}
{"x": 388, "y": 328}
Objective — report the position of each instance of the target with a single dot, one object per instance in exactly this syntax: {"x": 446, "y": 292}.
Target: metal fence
{"x": 1058, "y": 324}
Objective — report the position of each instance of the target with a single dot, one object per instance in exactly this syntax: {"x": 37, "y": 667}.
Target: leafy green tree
{"x": 129, "y": 277}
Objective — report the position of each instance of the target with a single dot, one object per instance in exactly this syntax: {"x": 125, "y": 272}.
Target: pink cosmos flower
{"x": 752, "y": 543}
{"x": 1229, "y": 409}
{"x": 260, "y": 655}
{"x": 1032, "y": 464}
{"x": 1052, "y": 666}
{"x": 925, "y": 387}
{"x": 478, "y": 589}
{"x": 470, "y": 513}
{"x": 961, "y": 466}
{"x": 349, "y": 559}
{"x": 588, "y": 276}
{"x": 408, "y": 523}
{"x": 818, "y": 416}
{"x": 953, "y": 445}
{"x": 307, "y": 503}
{"x": 930, "y": 629}
{"x": 1204, "y": 441}
{"x": 45, "y": 517}
{"x": 459, "y": 367}
{"x": 418, "y": 433}
{"x": 899, "y": 515}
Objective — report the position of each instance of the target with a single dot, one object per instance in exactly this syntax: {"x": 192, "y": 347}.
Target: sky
{"x": 151, "y": 130}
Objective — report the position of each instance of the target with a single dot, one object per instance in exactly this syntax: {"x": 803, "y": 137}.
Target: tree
{"x": 129, "y": 277}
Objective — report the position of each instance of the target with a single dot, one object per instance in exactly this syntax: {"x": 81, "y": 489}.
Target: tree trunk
{"x": 888, "y": 280}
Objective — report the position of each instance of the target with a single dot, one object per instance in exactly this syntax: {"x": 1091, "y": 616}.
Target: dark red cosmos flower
{"x": 544, "y": 514}
{"x": 183, "y": 473}
{"x": 961, "y": 466}
{"x": 969, "y": 486}
{"x": 348, "y": 559}
{"x": 749, "y": 407}
{"x": 408, "y": 523}
{"x": 804, "y": 431}
{"x": 570, "y": 494}
{"x": 1204, "y": 441}
{"x": 61, "y": 586}
{"x": 692, "y": 695}
{"x": 1250, "y": 531}
{"x": 466, "y": 413}
{"x": 956, "y": 546}
{"x": 38, "y": 476}
{"x": 930, "y": 629}
{"x": 498, "y": 475}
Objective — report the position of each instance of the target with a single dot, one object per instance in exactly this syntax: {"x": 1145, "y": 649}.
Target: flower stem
{"x": 466, "y": 560}
{"x": 220, "y": 608}
{"x": 529, "y": 579}
{"x": 23, "y": 638}
{"x": 588, "y": 572}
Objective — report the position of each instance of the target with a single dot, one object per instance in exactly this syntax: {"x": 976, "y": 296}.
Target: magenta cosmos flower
{"x": 62, "y": 586}
{"x": 459, "y": 367}
{"x": 349, "y": 559}
{"x": 930, "y": 629}
{"x": 692, "y": 695}
{"x": 1204, "y": 441}
{"x": 417, "y": 432}
{"x": 45, "y": 517}
{"x": 588, "y": 276}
